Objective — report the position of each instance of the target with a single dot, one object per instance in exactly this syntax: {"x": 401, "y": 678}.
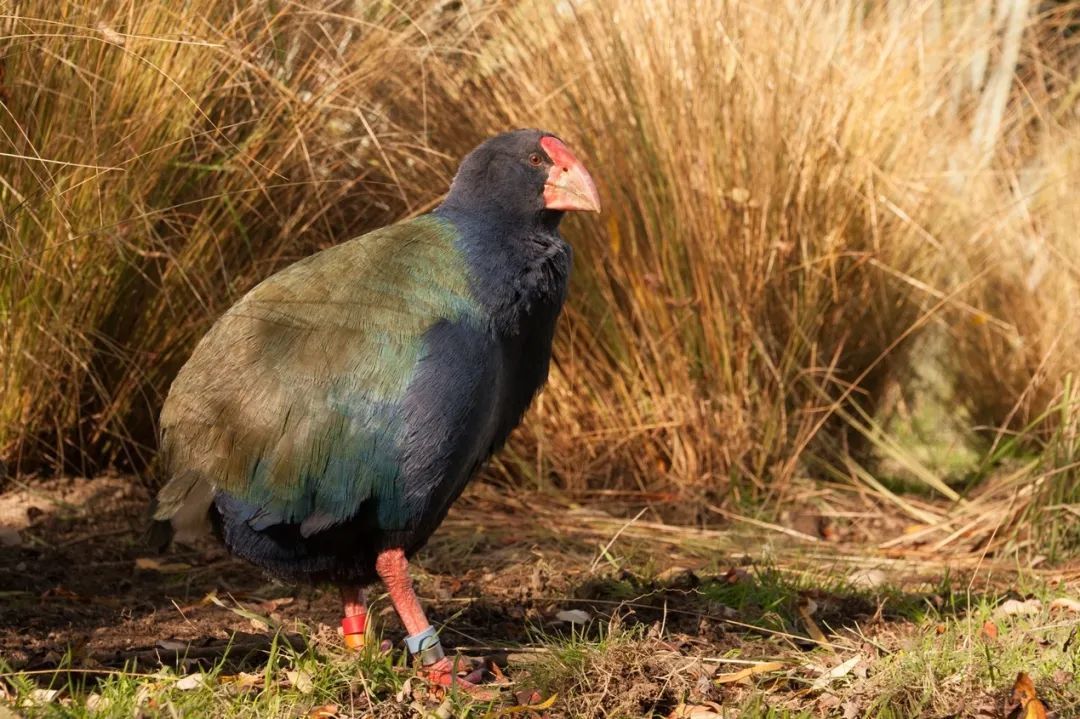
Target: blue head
{"x": 523, "y": 176}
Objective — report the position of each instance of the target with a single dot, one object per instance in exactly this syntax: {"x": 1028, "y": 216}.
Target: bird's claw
{"x": 462, "y": 674}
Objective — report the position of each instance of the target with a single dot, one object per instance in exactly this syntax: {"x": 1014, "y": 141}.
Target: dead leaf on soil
{"x": 1016, "y": 608}
{"x": 443, "y": 711}
{"x": 272, "y": 605}
{"x": 744, "y": 674}
{"x": 191, "y": 681}
{"x": 989, "y": 630}
{"x": 150, "y": 564}
{"x": 851, "y": 710}
{"x": 242, "y": 681}
{"x": 736, "y": 575}
{"x": 526, "y": 706}
{"x": 840, "y": 670}
{"x": 61, "y": 592}
{"x": 171, "y": 645}
{"x": 867, "y": 578}
{"x": 326, "y": 711}
{"x": 1065, "y": 604}
{"x": 258, "y": 622}
{"x": 497, "y": 673}
{"x": 301, "y": 681}
{"x": 96, "y": 703}
{"x": 806, "y": 608}
{"x": 41, "y": 696}
{"x": 1023, "y": 695}
{"x": 574, "y": 616}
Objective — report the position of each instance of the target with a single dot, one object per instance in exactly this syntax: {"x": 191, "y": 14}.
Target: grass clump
{"x": 800, "y": 200}
{"x": 158, "y": 161}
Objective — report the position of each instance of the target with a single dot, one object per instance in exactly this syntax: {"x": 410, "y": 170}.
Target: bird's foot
{"x": 463, "y": 674}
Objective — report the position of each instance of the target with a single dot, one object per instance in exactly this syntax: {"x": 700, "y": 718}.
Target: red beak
{"x": 568, "y": 186}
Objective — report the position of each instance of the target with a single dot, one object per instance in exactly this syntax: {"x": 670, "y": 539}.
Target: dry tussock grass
{"x": 159, "y": 162}
{"x": 794, "y": 194}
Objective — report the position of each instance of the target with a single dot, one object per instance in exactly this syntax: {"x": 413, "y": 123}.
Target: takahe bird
{"x": 327, "y": 421}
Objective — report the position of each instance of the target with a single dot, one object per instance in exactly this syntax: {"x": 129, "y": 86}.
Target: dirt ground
{"x": 76, "y": 577}
{"x": 79, "y": 587}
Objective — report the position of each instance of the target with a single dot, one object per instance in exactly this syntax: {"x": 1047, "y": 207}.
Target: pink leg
{"x": 393, "y": 569}
{"x": 354, "y": 606}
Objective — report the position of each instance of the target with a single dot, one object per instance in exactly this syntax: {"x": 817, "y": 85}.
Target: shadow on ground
{"x": 81, "y": 588}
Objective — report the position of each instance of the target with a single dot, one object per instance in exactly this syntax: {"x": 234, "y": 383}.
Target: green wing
{"x": 291, "y": 403}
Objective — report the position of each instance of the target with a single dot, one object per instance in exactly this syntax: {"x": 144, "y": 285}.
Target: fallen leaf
{"x": 326, "y": 711}
{"x": 443, "y": 711}
{"x": 171, "y": 645}
{"x": 748, "y": 672}
{"x": 243, "y": 680}
{"x": 1016, "y": 608}
{"x": 696, "y": 711}
{"x": 867, "y": 578}
{"x": 528, "y": 696}
{"x": 145, "y": 693}
{"x": 1065, "y": 604}
{"x": 526, "y": 706}
{"x": 272, "y": 605}
{"x": 806, "y": 608}
{"x": 497, "y": 673}
{"x": 989, "y": 630}
{"x": 191, "y": 681}
{"x": 257, "y": 621}
{"x": 301, "y": 681}
{"x": 61, "y": 592}
{"x": 840, "y": 670}
{"x": 828, "y": 702}
{"x": 851, "y": 710}
{"x": 574, "y": 616}
{"x": 150, "y": 564}
{"x": 42, "y": 696}
{"x": 97, "y": 703}
{"x": 736, "y": 575}
{"x": 405, "y": 692}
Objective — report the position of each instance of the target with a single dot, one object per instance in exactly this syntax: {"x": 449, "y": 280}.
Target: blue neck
{"x": 513, "y": 262}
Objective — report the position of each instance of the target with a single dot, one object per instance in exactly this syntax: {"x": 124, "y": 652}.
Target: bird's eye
{"x": 535, "y": 160}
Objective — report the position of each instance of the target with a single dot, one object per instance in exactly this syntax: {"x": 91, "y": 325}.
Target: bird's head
{"x": 523, "y": 173}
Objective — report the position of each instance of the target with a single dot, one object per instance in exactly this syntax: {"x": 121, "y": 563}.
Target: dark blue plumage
{"x": 340, "y": 408}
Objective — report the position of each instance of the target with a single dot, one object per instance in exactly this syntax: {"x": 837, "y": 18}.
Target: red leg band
{"x": 356, "y": 624}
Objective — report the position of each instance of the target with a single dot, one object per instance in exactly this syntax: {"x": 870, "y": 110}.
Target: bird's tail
{"x": 159, "y": 532}
{"x": 181, "y": 510}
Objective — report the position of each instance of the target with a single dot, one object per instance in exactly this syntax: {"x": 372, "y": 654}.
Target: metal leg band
{"x": 426, "y": 646}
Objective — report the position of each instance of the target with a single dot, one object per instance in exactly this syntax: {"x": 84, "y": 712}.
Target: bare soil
{"x": 79, "y": 587}
{"x": 78, "y": 578}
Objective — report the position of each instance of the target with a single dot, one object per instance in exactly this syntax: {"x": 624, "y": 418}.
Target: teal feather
{"x": 292, "y": 402}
